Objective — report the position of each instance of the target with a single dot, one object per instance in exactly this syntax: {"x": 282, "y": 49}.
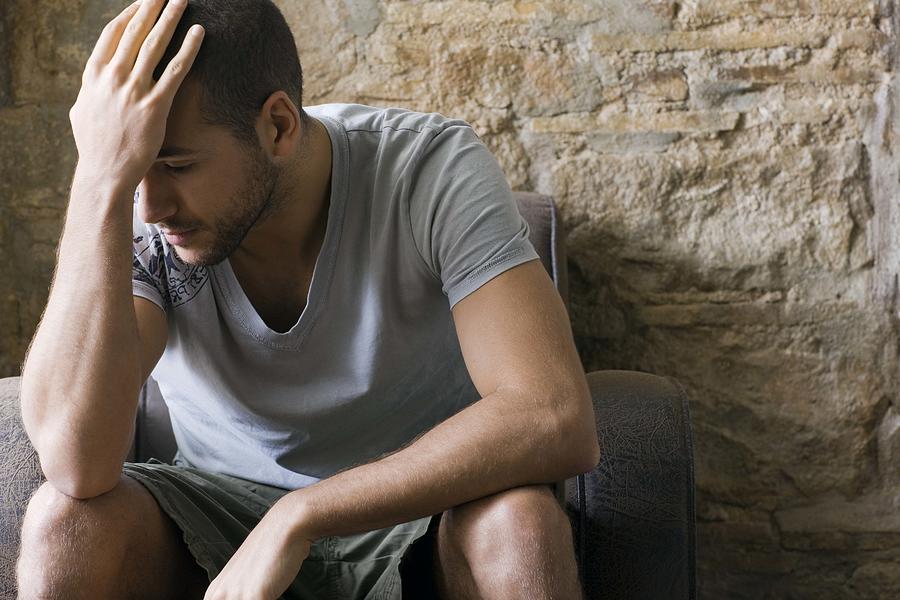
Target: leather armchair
{"x": 632, "y": 516}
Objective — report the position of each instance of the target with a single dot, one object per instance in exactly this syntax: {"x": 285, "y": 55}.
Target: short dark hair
{"x": 248, "y": 53}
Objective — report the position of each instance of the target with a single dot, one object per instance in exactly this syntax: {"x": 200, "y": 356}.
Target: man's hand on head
{"x": 119, "y": 118}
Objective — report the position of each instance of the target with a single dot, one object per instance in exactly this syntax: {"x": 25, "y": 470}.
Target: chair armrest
{"x": 20, "y": 476}
{"x": 633, "y": 515}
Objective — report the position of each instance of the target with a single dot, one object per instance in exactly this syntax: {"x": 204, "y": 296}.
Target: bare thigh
{"x": 120, "y": 543}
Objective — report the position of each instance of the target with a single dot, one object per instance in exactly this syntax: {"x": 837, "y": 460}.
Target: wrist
{"x": 103, "y": 183}
{"x": 298, "y": 515}
{"x": 101, "y": 198}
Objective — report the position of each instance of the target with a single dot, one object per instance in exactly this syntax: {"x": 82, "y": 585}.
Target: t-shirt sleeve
{"x": 464, "y": 219}
{"x": 148, "y": 278}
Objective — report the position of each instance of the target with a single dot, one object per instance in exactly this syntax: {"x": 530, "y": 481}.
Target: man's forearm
{"x": 503, "y": 441}
{"x": 82, "y": 372}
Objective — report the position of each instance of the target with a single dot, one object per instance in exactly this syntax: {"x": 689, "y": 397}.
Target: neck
{"x": 291, "y": 235}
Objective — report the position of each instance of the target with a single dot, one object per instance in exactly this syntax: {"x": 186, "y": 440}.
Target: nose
{"x": 156, "y": 199}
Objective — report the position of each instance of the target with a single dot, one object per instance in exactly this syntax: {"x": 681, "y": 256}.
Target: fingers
{"x": 154, "y": 47}
{"x": 178, "y": 67}
{"x": 135, "y": 32}
{"x": 109, "y": 37}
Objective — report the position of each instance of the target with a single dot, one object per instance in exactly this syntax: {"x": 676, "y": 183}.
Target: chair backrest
{"x": 153, "y": 431}
{"x": 547, "y": 236}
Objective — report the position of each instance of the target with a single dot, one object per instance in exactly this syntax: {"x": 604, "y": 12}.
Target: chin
{"x": 199, "y": 257}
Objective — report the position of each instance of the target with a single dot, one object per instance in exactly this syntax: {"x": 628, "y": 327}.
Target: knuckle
{"x": 117, "y": 21}
{"x": 131, "y": 88}
{"x": 148, "y": 103}
{"x": 117, "y": 74}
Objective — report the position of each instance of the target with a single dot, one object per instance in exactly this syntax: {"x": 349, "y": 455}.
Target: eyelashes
{"x": 177, "y": 170}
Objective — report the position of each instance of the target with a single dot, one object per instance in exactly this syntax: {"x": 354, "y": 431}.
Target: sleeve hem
{"x": 495, "y": 267}
{"x": 142, "y": 290}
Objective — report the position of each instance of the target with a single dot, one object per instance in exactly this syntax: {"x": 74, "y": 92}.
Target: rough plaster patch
{"x": 363, "y": 16}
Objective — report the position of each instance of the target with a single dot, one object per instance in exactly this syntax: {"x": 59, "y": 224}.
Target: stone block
{"x": 624, "y": 123}
{"x": 631, "y": 143}
{"x": 704, "y": 12}
{"x": 888, "y": 433}
{"x": 51, "y": 44}
{"x": 771, "y": 74}
{"x": 875, "y": 579}
{"x": 659, "y": 86}
{"x": 731, "y": 96}
{"x": 534, "y": 76}
{"x": 733, "y": 36}
{"x": 872, "y": 513}
{"x": 328, "y": 49}
{"x": 37, "y": 148}
{"x": 620, "y": 16}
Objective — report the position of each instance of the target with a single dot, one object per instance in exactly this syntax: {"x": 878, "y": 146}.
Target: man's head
{"x": 248, "y": 53}
{"x": 244, "y": 86}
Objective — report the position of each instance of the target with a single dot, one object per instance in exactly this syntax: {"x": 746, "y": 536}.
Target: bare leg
{"x": 118, "y": 545}
{"x": 515, "y": 544}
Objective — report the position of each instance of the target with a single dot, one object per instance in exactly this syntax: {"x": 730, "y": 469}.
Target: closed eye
{"x": 177, "y": 169}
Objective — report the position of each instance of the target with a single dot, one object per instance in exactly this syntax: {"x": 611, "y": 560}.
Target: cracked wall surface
{"x": 726, "y": 173}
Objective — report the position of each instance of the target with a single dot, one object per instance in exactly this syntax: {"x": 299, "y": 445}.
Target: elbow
{"x": 79, "y": 478}
{"x": 590, "y": 456}
{"x": 577, "y": 433}
{"x": 582, "y": 451}
{"x": 70, "y": 462}
{"x": 79, "y": 487}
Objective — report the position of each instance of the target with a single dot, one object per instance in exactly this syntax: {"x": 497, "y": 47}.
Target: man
{"x": 368, "y": 372}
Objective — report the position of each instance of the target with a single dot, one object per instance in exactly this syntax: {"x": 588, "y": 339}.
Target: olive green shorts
{"x": 216, "y": 513}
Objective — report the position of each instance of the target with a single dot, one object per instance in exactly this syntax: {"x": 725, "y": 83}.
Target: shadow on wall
{"x": 6, "y": 9}
{"x": 795, "y": 435}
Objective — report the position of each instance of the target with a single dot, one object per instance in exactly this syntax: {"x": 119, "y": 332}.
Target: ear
{"x": 279, "y": 126}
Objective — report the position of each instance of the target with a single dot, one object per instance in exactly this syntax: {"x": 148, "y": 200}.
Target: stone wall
{"x": 726, "y": 172}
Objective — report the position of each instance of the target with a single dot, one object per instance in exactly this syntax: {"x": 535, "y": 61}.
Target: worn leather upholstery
{"x": 633, "y": 516}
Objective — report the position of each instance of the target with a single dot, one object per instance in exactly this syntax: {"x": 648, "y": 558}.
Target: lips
{"x": 178, "y": 238}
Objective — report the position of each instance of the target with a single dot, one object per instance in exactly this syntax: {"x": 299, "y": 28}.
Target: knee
{"x": 50, "y": 514}
{"x": 527, "y": 517}
{"x": 50, "y": 510}
{"x": 47, "y": 513}
{"x": 56, "y": 535}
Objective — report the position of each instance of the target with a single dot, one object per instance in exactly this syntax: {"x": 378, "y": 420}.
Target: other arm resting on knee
{"x": 534, "y": 423}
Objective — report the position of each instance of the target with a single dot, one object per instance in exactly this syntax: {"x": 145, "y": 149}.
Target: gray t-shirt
{"x": 420, "y": 216}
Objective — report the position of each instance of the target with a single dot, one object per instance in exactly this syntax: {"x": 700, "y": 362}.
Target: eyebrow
{"x": 170, "y": 151}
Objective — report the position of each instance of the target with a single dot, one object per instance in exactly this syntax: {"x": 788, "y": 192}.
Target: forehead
{"x": 186, "y": 132}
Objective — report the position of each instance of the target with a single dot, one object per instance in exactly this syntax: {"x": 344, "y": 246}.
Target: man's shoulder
{"x": 364, "y": 118}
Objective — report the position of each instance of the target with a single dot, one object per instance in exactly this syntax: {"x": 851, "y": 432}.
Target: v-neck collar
{"x": 237, "y": 302}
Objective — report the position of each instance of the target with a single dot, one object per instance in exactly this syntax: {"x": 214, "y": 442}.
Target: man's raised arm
{"x": 85, "y": 367}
